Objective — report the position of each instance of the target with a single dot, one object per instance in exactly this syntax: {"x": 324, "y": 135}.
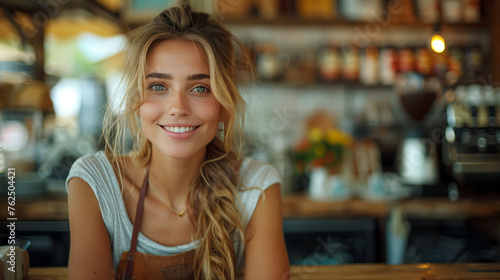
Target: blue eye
{"x": 157, "y": 87}
{"x": 201, "y": 89}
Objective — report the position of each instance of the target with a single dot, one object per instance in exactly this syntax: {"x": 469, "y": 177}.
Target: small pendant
{"x": 181, "y": 214}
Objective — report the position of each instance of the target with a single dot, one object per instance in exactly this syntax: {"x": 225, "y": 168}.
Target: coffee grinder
{"x": 417, "y": 158}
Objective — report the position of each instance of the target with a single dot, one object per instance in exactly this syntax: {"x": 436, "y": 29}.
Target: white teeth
{"x": 177, "y": 129}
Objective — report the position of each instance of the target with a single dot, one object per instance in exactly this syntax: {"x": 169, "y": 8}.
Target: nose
{"x": 179, "y": 104}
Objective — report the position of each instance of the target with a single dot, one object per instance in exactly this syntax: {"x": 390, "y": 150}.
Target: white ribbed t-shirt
{"x": 97, "y": 171}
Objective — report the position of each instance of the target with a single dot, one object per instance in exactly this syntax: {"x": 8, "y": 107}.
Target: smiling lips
{"x": 180, "y": 132}
{"x": 179, "y": 129}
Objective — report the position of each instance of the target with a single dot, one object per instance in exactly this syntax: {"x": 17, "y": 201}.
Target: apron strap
{"x": 137, "y": 226}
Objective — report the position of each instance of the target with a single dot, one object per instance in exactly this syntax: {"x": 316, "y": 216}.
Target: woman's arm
{"x": 90, "y": 253}
{"x": 266, "y": 256}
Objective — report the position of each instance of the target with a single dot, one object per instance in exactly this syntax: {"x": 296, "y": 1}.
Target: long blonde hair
{"x": 214, "y": 196}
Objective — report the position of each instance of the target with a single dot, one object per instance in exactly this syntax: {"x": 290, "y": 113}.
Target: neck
{"x": 173, "y": 177}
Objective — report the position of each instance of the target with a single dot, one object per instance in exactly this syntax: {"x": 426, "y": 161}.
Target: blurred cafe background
{"x": 382, "y": 117}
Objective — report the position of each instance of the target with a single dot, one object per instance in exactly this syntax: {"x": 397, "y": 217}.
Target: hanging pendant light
{"x": 437, "y": 42}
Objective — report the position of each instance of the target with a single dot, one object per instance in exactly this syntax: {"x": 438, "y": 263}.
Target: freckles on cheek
{"x": 214, "y": 109}
{"x": 148, "y": 113}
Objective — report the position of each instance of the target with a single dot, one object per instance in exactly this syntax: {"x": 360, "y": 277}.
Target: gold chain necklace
{"x": 179, "y": 213}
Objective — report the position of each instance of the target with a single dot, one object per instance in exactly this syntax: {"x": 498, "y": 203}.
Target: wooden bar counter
{"x": 426, "y": 271}
{"x": 300, "y": 206}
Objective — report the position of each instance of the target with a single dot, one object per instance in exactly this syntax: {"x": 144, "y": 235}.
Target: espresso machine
{"x": 417, "y": 160}
{"x": 471, "y": 150}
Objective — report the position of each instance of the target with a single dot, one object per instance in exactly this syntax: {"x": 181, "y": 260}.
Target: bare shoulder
{"x": 266, "y": 255}
{"x": 268, "y": 209}
{"x": 88, "y": 234}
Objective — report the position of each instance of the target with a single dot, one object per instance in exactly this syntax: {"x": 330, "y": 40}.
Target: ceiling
{"x": 102, "y": 17}
{"x": 65, "y": 18}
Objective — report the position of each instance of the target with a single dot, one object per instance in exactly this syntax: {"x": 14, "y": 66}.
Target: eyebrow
{"x": 193, "y": 77}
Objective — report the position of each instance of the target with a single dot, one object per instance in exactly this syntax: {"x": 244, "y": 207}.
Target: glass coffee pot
{"x": 417, "y": 159}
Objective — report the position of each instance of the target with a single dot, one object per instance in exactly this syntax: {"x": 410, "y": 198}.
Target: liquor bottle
{"x": 455, "y": 67}
{"x": 350, "y": 63}
{"x": 369, "y": 65}
{"x": 388, "y": 65}
{"x": 329, "y": 63}
{"x": 423, "y": 61}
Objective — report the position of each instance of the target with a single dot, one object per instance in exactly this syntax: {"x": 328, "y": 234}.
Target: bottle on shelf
{"x": 267, "y": 64}
{"x": 329, "y": 63}
{"x": 350, "y": 63}
{"x": 427, "y": 10}
{"x": 455, "y": 62}
{"x": 369, "y": 65}
{"x": 287, "y": 8}
{"x": 423, "y": 61}
{"x": 388, "y": 65}
{"x": 318, "y": 9}
{"x": 406, "y": 59}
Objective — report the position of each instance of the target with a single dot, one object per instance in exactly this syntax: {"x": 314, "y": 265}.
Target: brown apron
{"x": 138, "y": 266}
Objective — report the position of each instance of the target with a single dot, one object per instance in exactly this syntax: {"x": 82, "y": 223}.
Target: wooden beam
{"x": 37, "y": 41}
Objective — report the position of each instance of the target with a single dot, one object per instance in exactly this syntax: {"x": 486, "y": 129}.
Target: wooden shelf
{"x": 320, "y": 85}
{"x": 298, "y": 22}
{"x": 299, "y": 206}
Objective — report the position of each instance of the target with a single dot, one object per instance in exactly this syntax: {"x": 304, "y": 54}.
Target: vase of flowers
{"x": 321, "y": 155}
{"x": 318, "y": 183}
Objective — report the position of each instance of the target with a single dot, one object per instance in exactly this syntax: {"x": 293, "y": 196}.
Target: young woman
{"x": 183, "y": 204}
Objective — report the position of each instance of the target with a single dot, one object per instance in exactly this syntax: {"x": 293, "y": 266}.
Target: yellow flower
{"x": 334, "y": 137}
{"x": 320, "y": 150}
{"x": 315, "y": 135}
{"x": 337, "y": 137}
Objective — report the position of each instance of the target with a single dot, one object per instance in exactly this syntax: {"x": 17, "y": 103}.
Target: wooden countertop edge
{"x": 352, "y": 271}
{"x": 300, "y": 206}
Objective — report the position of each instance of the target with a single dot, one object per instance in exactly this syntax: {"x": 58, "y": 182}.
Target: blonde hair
{"x": 214, "y": 196}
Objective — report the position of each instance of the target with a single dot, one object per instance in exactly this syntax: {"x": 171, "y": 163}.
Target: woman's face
{"x": 180, "y": 114}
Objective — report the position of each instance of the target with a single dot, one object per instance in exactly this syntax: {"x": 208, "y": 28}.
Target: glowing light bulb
{"x": 437, "y": 43}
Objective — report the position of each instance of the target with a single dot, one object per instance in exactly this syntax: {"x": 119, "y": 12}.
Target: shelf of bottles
{"x": 371, "y": 65}
{"x": 367, "y": 57}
